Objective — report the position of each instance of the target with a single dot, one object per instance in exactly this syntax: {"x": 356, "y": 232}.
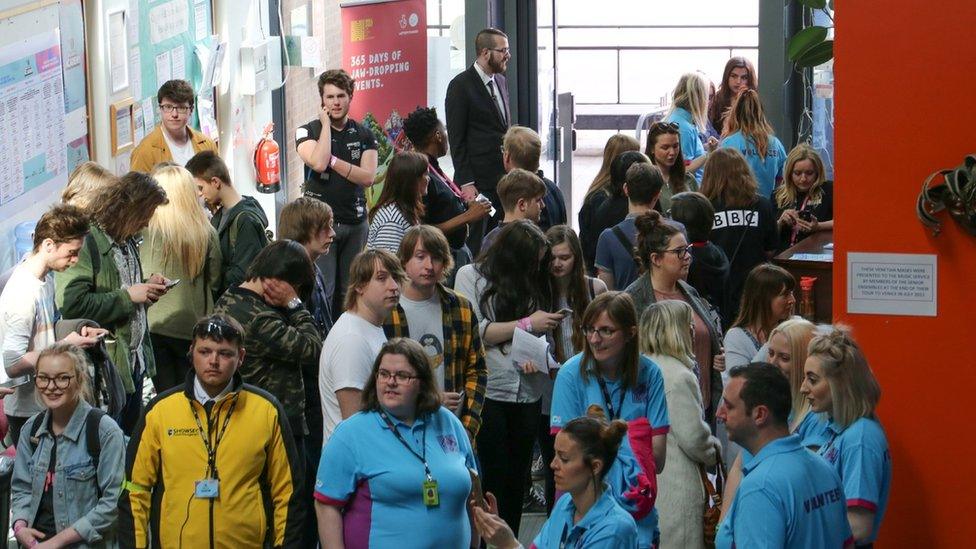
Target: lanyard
{"x": 212, "y": 450}
{"x": 613, "y": 413}
{"x": 450, "y": 183}
{"x": 423, "y": 438}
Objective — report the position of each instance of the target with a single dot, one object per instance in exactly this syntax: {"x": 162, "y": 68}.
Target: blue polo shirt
{"x": 366, "y": 471}
{"x": 691, "y": 143}
{"x": 767, "y": 170}
{"x": 605, "y": 526}
{"x": 812, "y": 432}
{"x": 787, "y": 498}
{"x": 633, "y": 469}
{"x": 860, "y": 456}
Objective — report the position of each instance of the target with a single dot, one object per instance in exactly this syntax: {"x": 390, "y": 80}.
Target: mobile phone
{"x": 807, "y": 215}
{"x": 477, "y": 495}
{"x": 565, "y": 311}
{"x": 172, "y": 283}
{"x": 16, "y": 382}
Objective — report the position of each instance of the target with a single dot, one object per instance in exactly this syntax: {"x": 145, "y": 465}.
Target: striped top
{"x": 387, "y": 228}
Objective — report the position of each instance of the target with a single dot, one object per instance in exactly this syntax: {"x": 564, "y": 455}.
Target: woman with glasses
{"x": 510, "y": 289}
{"x": 611, "y": 374}
{"x": 747, "y": 130}
{"x": 664, "y": 150}
{"x": 839, "y": 383}
{"x": 401, "y": 203}
{"x": 64, "y": 492}
{"x": 689, "y": 115}
{"x": 666, "y": 333}
{"x": 665, "y": 255}
{"x": 181, "y": 245}
{"x": 805, "y": 200}
{"x": 587, "y": 515}
{"x": 401, "y": 465}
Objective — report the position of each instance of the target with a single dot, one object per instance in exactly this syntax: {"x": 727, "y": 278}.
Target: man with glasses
{"x": 615, "y": 249}
{"x": 213, "y": 459}
{"x": 477, "y": 119}
{"x": 172, "y": 140}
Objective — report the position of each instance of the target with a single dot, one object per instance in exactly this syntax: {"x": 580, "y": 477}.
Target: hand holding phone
{"x": 170, "y": 283}
{"x": 477, "y": 495}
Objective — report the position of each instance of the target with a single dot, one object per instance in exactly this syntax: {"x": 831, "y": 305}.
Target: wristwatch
{"x": 294, "y": 303}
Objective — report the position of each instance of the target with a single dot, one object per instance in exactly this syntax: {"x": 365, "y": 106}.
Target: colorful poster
{"x": 384, "y": 48}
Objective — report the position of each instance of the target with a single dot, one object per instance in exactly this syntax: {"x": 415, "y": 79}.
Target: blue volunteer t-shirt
{"x": 605, "y": 526}
{"x": 787, "y": 498}
{"x": 646, "y": 401}
{"x": 860, "y": 456}
{"x": 767, "y": 170}
{"x": 691, "y": 143}
{"x": 379, "y": 484}
{"x": 812, "y": 432}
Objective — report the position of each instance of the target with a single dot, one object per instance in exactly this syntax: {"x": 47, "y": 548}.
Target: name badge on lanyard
{"x": 430, "y": 494}
{"x": 208, "y": 488}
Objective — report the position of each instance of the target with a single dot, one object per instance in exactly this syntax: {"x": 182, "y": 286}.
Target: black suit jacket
{"x": 475, "y": 129}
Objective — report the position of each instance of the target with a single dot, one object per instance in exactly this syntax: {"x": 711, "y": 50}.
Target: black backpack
{"x": 92, "y": 443}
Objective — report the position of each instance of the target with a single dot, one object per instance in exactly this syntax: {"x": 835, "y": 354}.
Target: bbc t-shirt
{"x": 425, "y": 326}
{"x": 347, "y": 199}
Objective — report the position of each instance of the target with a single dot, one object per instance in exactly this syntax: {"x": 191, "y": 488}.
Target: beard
{"x": 497, "y": 67}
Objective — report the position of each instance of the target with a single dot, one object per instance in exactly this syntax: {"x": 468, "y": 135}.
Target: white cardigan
{"x": 681, "y": 497}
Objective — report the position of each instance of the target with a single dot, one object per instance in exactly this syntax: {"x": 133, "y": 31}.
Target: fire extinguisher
{"x": 267, "y": 156}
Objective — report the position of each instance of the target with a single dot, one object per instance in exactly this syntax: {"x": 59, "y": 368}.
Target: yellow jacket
{"x": 257, "y": 465}
{"x": 153, "y": 149}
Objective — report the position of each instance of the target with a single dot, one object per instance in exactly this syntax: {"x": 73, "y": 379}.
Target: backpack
{"x": 235, "y": 229}
{"x": 107, "y": 389}
{"x": 92, "y": 443}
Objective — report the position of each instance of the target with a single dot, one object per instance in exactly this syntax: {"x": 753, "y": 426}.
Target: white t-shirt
{"x": 425, "y": 326}
{"x": 181, "y": 153}
{"x": 346, "y": 362}
{"x": 26, "y": 324}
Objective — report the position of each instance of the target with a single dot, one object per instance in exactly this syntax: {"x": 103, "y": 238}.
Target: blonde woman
{"x": 180, "y": 244}
{"x": 666, "y": 338}
{"x": 805, "y": 200}
{"x": 60, "y": 495}
{"x": 689, "y": 110}
{"x": 83, "y": 183}
{"x": 748, "y": 131}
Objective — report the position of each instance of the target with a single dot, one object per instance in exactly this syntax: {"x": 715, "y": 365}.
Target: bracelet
{"x": 349, "y": 171}
{"x": 525, "y": 324}
{"x": 332, "y": 161}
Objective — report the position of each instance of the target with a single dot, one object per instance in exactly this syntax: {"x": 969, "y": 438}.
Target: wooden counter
{"x": 800, "y": 260}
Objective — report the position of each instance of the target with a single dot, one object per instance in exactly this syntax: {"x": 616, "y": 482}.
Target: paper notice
{"x": 528, "y": 348}
{"x": 148, "y": 117}
{"x": 135, "y": 72}
{"x": 200, "y": 28}
{"x": 164, "y": 67}
{"x": 168, "y": 20}
{"x": 179, "y": 63}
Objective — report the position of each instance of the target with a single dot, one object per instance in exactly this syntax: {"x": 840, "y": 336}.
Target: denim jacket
{"x": 76, "y": 501}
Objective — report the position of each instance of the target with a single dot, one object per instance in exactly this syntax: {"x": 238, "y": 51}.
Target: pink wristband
{"x": 19, "y": 525}
{"x": 332, "y": 161}
{"x": 525, "y": 324}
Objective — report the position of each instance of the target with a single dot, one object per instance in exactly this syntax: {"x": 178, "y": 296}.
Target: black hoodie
{"x": 709, "y": 274}
{"x": 248, "y": 236}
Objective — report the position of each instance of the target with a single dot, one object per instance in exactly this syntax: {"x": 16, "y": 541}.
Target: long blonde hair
{"x": 665, "y": 329}
{"x": 691, "y": 94}
{"x": 181, "y": 226}
{"x": 617, "y": 144}
{"x": 747, "y": 116}
{"x": 786, "y": 193}
{"x": 797, "y": 332}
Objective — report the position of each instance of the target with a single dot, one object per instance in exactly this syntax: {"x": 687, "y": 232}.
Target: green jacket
{"x": 242, "y": 237}
{"x": 175, "y": 314}
{"x": 104, "y": 301}
{"x": 279, "y": 344}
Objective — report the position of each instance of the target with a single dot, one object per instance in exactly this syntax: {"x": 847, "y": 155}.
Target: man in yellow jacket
{"x": 213, "y": 462}
{"x": 173, "y": 140}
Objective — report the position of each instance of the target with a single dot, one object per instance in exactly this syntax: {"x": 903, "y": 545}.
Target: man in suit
{"x": 477, "y": 119}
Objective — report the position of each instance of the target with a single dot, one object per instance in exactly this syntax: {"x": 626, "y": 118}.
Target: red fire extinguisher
{"x": 267, "y": 156}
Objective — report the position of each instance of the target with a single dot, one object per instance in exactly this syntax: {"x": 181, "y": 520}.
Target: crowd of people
{"x": 382, "y": 375}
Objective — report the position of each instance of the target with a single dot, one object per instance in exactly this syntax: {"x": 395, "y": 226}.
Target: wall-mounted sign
{"x": 893, "y": 284}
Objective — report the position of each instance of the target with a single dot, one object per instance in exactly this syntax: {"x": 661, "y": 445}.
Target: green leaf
{"x": 814, "y": 4}
{"x": 817, "y": 55}
{"x": 804, "y": 40}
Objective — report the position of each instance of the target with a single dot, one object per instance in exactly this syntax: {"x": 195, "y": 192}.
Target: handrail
{"x": 643, "y": 119}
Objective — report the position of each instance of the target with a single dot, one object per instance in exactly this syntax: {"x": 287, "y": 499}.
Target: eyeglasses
{"x": 168, "y": 109}
{"x": 215, "y": 328}
{"x": 683, "y": 251}
{"x": 602, "y": 332}
{"x": 60, "y": 382}
{"x": 400, "y": 377}
{"x": 503, "y": 51}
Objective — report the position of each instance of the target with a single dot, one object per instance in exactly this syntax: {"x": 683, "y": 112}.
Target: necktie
{"x": 494, "y": 100}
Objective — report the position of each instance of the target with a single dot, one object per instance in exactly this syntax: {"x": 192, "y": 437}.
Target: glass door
{"x": 547, "y": 86}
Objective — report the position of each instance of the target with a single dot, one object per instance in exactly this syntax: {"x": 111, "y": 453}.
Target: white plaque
{"x": 892, "y": 284}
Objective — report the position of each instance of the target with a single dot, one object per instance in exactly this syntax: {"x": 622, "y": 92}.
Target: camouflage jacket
{"x": 278, "y": 343}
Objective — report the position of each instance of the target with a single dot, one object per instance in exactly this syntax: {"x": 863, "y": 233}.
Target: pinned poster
{"x": 384, "y": 47}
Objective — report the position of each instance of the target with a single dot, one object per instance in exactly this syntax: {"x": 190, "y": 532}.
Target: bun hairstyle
{"x": 598, "y": 440}
{"x": 854, "y": 390}
{"x": 653, "y": 235}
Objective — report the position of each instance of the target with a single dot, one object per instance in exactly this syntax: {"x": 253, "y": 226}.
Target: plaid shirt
{"x": 464, "y": 355}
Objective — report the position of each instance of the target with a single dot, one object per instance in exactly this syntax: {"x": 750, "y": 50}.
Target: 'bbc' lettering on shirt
{"x": 736, "y": 218}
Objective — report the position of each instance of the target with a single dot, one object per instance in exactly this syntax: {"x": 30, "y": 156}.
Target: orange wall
{"x": 905, "y": 87}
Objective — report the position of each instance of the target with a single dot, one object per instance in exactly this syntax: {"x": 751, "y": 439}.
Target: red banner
{"x": 384, "y": 47}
